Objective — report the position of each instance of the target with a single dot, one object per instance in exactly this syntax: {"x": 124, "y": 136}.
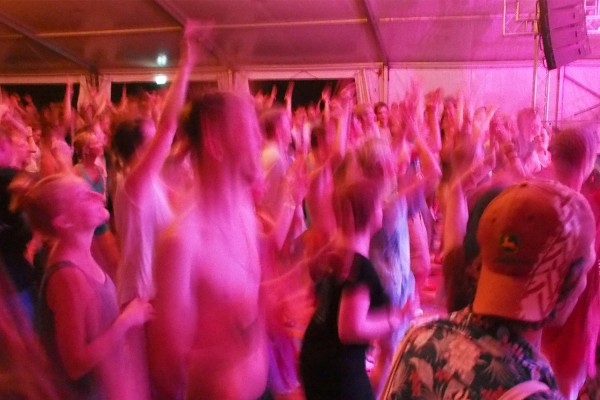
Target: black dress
{"x": 329, "y": 368}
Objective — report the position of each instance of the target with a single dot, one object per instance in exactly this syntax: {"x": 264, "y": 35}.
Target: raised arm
{"x": 67, "y": 121}
{"x": 326, "y": 100}
{"x": 151, "y": 162}
{"x": 433, "y": 114}
{"x": 342, "y": 117}
{"x": 288, "y": 98}
{"x": 415, "y": 129}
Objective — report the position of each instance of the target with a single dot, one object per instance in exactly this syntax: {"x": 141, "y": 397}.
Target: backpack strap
{"x": 524, "y": 390}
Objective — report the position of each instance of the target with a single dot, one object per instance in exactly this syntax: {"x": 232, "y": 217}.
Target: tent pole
{"x": 536, "y": 44}
{"x": 385, "y": 84}
{"x": 560, "y": 79}
{"x": 547, "y": 102}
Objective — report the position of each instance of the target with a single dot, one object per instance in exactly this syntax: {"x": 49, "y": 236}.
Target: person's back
{"x": 208, "y": 339}
{"x": 228, "y": 352}
{"x": 466, "y": 355}
{"x": 536, "y": 241}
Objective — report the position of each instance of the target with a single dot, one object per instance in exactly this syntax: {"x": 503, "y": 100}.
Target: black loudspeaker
{"x": 563, "y": 30}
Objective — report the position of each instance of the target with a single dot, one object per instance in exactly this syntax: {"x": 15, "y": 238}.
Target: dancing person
{"x": 353, "y": 307}
{"x": 80, "y": 322}
{"x": 537, "y": 246}
{"x": 208, "y": 338}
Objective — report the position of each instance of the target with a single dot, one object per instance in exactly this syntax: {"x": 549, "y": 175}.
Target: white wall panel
{"x": 510, "y": 88}
{"x": 579, "y": 98}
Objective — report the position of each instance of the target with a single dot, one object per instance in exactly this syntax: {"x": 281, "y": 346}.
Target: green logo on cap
{"x": 509, "y": 243}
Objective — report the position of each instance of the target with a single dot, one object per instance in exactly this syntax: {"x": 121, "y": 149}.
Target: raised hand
{"x": 289, "y": 91}
{"x": 326, "y": 93}
{"x": 196, "y": 37}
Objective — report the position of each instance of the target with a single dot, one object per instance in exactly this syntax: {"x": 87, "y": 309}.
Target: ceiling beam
{"x": 172, "y": 11}
{"x": 28, "y": 33}
{"x": 375, "y": 31}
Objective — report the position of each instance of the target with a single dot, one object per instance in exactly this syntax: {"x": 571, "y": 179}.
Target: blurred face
{"x": 148, "y": 129}
{"x": 542, "y": 139}
{"x": 22, "y": 150}
{"x": 369, "y": 118}
{"x": 300, "y": 116}
{"x": 87, "y": 208}
{"x": 356, "y": 127}
{"x": 383, "y": 116}
{"x": 94, "y": 147}
{"x": 54, "y": 114}
{"x": 499, "y": 130}
{"x": 36, "y": 134}
{"x": 311, "y": 112}
{"x": 530, "y": 127}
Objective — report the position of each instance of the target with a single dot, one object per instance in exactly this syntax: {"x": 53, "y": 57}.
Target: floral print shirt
{"x": 466, "y": 356}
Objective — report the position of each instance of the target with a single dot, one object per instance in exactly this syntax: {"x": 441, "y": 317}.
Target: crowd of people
{"x": 224, "y": 246}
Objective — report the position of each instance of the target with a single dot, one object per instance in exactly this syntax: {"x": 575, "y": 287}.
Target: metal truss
{"x": 592, "y": 16}
{"x": 519, "y": 18}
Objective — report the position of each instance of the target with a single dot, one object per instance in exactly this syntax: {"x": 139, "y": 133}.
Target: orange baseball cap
{"x": 529, "y": 236}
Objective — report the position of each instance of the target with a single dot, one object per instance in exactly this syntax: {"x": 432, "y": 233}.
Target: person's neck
{"x": 533, "y": 337}
{"x": 220, "y": 192}
{"x": 74, "y": 248}
{"x": 574, "y": 181}
{"x": 89, "y": 162}
{"x": 527, "y": 333}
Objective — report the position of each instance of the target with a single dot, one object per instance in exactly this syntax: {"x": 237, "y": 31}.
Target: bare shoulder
{"x": 68, "y": 287}
{"x": 68, "y": 278}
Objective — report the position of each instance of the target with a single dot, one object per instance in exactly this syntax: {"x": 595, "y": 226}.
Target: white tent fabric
{"x": 486, "y": 48}
{"x": 507, "y": 87}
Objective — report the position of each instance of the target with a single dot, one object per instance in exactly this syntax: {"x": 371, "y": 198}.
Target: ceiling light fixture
{"x": 160, "y": 79}
{"x": 161, "y": 60}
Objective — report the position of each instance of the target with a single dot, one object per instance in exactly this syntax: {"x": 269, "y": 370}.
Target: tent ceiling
{"x": 67, "y": 36}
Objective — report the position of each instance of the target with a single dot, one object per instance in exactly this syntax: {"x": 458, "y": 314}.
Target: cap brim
{"x": 502, "y": 295}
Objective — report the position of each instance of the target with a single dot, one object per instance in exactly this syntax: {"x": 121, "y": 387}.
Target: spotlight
{"x": 160, "y": 79}
{"x": 161, "y": 60}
